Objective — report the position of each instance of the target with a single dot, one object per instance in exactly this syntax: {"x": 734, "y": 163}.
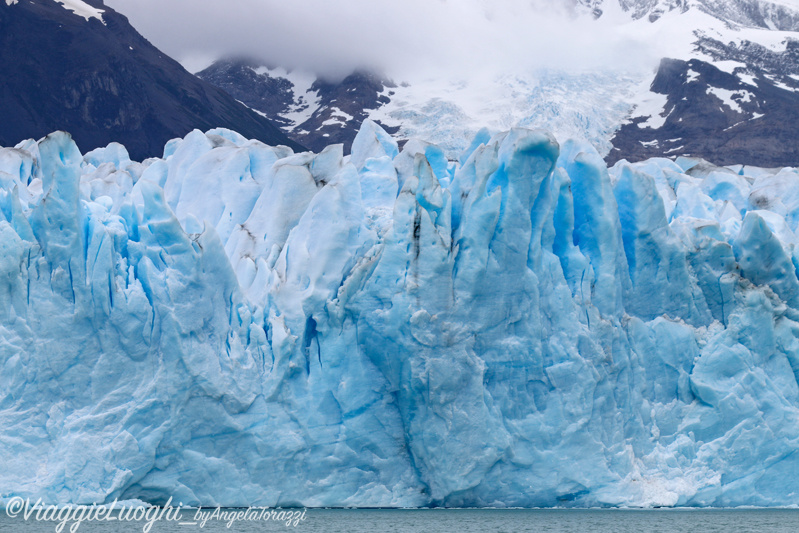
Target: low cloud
{"x": 404, "y": 38}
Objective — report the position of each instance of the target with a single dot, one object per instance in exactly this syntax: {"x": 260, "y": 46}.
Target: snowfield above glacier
{"x": 236, "y": 324}
{"x": 723, "y": 66}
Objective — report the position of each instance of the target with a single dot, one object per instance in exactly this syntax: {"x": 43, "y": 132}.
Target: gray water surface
{"x": 468, "y": 521}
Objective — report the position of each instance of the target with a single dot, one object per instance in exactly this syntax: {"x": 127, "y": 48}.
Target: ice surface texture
{"x": 237, "y": 324}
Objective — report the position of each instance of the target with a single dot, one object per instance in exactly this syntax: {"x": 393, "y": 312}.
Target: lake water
{"x": 466, "y": 521}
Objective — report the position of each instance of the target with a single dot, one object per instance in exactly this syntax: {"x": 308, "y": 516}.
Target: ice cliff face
{"x": 236, "y": 324}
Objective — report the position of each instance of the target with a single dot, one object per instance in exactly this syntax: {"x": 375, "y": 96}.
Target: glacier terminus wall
{"x": 237, "y": 324}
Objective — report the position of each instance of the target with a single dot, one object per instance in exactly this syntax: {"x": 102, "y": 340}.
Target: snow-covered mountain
{"x": 447, "y": 112}
{"x": 315, "y": 112}
{"x": 725, "y": 75}
{"x": 236, "y": 324}
{"x": 741, "y": 113}
{"x": 771, "y": 14}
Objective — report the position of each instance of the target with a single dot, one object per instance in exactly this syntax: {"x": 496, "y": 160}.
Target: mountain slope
{"x": 777, "y": 15}
{"x": 733, "y": 98}
{"x": 725, "y": 90}
{"x": 716, "y": 115}
{"x": 97, "y": 78}
{"x": 314, "y": 112}
{"x": 447, "y": 112}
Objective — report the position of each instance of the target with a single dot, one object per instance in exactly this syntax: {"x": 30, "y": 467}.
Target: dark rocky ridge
{"x": 104, "y": 83}
{"x": 750, "y": 13}
{"x": 756, "y": 57}
{"x": 354, "y": 95}
{"x": 269, "y": 95}
{"x": 274, "y": 96}
{"x": 698, "y": 124}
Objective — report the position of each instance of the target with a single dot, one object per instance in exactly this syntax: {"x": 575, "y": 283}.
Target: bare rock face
{"x": 315, "y": 114}
{"x": 748, "y": 115}
{"x": 98, "y": 78}
{"x": 751, "y": 13}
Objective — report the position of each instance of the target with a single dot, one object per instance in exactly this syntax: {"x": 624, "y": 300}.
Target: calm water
{"x": 473, "y": 521}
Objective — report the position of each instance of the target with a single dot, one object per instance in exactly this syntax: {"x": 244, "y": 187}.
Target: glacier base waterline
{"x": 235, "y": 324}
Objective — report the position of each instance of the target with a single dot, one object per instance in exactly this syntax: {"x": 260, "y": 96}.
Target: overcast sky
{"x": 399, "y": 37}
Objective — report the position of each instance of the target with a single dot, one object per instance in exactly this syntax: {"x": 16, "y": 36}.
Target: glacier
{"x": 237, "y": 324}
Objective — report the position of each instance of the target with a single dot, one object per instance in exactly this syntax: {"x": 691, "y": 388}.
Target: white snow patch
{"x": 253, "y": 109}
{"x": 729, "y": 66}
{"x": 652, "y": 106}
{"x": 11, "y": 2}
{"x": 778, "y": 84}
{"x": 755, "y": 116}
{"x": 734, "y": 125}
{"x": 306, "y": 101}
{"x": 748, "y": 79}
{"x": 337, "y": 117}
{"x": 339, "y": 113}
{"x": 82, "y": 9}
{"x": 731, "y": 99}
{"x": 692, "y": 76}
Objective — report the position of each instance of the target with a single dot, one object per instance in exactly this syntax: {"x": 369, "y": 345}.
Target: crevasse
{"x": 236, "y": 324}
